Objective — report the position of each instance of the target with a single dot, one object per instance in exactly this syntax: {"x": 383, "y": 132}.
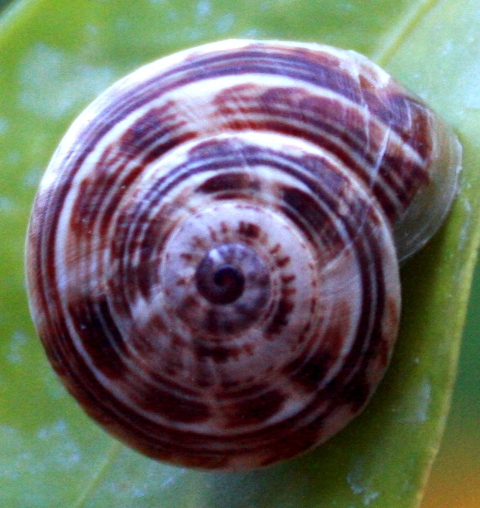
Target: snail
{"x": 212, "y": 257}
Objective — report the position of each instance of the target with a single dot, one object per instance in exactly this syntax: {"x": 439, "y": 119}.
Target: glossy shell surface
{"x": 212, "y": 254}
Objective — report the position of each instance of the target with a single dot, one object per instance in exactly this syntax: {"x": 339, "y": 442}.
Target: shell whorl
{"x": 212, "y": 255}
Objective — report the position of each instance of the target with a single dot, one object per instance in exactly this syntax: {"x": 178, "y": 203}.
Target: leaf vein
{"x": 394, "y": 38}
{"x": 98, "y": 476}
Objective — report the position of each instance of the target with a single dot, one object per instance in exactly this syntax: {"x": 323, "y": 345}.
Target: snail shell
{"x": 212, "y": 254}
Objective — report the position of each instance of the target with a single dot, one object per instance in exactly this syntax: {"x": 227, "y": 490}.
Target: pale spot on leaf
{"x": 53, "y": 85}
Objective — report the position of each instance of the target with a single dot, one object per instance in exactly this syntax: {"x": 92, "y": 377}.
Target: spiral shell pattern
{"x": 212, "y": 255}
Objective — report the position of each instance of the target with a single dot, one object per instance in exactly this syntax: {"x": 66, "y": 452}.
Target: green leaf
{"x": 56, "y": 56}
